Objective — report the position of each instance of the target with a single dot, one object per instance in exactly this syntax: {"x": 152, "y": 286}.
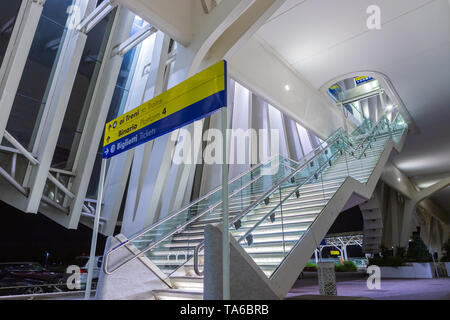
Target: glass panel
{"x": 177, "y": 249}
{"x": 8, "y": 16}
{"x": 119, "y": 99}
{"x": 269, "y": 232}
{"x": 77, "y": 109}
{"x": 31, "y": 95}
{"x": 138, "y": 25}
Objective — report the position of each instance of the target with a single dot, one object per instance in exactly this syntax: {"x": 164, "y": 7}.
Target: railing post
{"x": 225, "y": 232}
{"x": 98, "y": 209}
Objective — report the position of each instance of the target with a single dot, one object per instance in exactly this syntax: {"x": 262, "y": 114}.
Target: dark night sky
{"x": 27, "y": 236}
{"x": 347, "y": 221}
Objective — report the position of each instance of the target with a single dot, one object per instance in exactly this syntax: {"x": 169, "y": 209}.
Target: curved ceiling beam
{"x": 209, "y": 27}
{"x": 386, "y": 84}
{"x": 173, "y": 17}
{"x": 241, "y": 30}
{"x": 428, "y": 192}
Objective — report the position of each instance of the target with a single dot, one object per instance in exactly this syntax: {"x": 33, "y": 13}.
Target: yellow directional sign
{"x": 191, "y": 100}
{"x": 335, "y": 252}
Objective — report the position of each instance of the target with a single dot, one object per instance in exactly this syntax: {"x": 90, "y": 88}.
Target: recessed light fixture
{"x": 287, "y": 87}
{"x": 398, "y": 179}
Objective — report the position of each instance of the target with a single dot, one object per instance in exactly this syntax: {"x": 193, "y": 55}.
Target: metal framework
{"x": 340, "y": 241}
{"x": 35, "y": 184}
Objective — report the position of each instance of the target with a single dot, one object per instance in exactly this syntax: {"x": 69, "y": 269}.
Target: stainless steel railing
{"x": 198, "y": 216}
{"x": 264, "y": 196}
{"x": 270, "y": 192}
{"x": 181, "y": 227}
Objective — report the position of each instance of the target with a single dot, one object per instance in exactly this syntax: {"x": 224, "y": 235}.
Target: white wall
{"x": 259, "y": 69}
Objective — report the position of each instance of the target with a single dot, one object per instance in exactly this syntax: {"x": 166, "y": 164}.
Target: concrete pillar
{"x": 407, "y": 222}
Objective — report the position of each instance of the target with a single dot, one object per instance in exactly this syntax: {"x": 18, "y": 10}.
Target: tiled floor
{"x": 391, "y": 289}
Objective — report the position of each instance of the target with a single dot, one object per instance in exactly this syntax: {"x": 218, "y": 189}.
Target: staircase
{"x": 269, "y": 214}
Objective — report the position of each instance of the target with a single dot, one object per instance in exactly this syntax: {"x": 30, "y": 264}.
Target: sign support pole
{"x": 98, "y": 209}
{"x": 225, "y": 233}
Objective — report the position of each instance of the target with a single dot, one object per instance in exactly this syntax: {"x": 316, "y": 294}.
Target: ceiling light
{"x": 389, "y": 107}
{"x": 287, "y": 87}
{"x": 398, "y": 179}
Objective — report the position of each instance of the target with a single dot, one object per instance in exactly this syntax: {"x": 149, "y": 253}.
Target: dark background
{"x": 28, "y": 236}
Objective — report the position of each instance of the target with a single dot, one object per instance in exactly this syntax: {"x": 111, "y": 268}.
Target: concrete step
{"x": 188, "y": 283}
{"x": 177, "y": 294}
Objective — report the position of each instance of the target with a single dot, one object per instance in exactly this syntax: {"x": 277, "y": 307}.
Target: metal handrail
{"x": 367, "y": 136}
{"x": 305, "y": 162}
{"x": 390, "y": 131}
{"x": 201, "y": 244}
{"x": 196, "y": 252}
{"x": 193, "y": 203}
{"x": 288, "y": 196}
{"x": 382, "y": 118}
{"x": 380, "y": 121}
{"x": 264, "y": 196}
{"x": 291, "y": 193}
{"x": 178, "y": 229}
{"x": 268, "y": 193}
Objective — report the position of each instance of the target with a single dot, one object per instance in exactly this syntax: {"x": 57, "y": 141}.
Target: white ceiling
{"x": 324, "y": 39}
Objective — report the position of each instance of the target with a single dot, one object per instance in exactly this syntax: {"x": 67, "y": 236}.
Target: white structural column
{"x": 407, "y": 222}
{"x": 260, "y": 123}
{"x": 372, "y": 105}
{"x": 120, "y": 165}
{"x": 394, "y": 213}
{"x": 140, "y": 211}
{"x": 16, "y": 56}
{"x": 381, "y": 106}
{"x": 292, "y": 138}
{"x": 210, "y": 173}
{"x": 59, "y": 92}
{"x": 277, "y": 128}
{"x": 98, "y": 110}
{"x": 209, "y": 30}
{"x": 239, "y": 142}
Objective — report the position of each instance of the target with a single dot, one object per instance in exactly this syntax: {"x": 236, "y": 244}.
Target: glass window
{"x": 80, "y": 98}
{"x": 8, "y": 15}
{"x": 30, "y": 99}
{"x": 119, "y": 99}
